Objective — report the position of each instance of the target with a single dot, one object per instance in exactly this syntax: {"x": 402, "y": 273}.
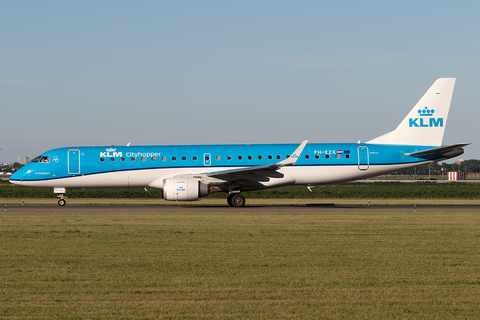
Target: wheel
{"x": 62, "y": 202}
{"x": 238, "y": 200}
{"x": 229, "y": 199}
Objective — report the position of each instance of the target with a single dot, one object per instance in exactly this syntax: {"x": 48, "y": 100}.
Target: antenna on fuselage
{"x": 128, "y": 144}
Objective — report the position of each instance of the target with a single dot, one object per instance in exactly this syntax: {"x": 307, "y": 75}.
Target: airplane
{"x": 189, "y": 172}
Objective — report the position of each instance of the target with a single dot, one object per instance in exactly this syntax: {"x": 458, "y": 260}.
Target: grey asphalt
{"x": 192, "y": 208}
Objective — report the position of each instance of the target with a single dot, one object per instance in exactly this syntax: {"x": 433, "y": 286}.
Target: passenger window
{"x": 143, "y": 159}
{"x": 288, "y": 156}
{"x": 307, "y": 156}
{"x": 347, "y": 156}
{"x": 123, "y": 159}
{"x": 164, "y": 158}
{"x": 260, "y": 157}
{"x": 102, "y": 159}
{"x": 184, "y": 158}
{"x": 174, "y": 158}
{"x": 229, "y": 158}
{"x": 112, "y": 159}
{"x": 195, "y": 158}
{"x": 240, "y": 157}
{"x": 327, "y": 156}
{"x": 249, "y": 157}
{"x": 317, "y": 156}
{"x": 337, "y": 156}
{"x": 278, "y": 157}
{"x": 154, "y": 158}
{"x": 270, "y": 157}
{"x": 133, "y": 159}
{"x": 218, "y": 158}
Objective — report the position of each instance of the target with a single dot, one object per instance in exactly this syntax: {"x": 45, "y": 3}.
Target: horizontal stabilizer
{"x": 448, "y": 152}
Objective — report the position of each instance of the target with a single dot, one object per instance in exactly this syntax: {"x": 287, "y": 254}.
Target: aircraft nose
{"x": 19, "y": 175}
{"x": 14, "y": 177}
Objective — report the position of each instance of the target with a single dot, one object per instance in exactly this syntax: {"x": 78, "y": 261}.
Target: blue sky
{"x": 196, "y": 72}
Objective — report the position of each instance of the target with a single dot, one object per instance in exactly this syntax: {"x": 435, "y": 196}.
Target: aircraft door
{"x": 74, "y": 161}
{"x": 363, "y": 161}
{"x": 207, "y": 159}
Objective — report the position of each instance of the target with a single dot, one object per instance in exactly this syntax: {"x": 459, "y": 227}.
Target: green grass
{"x": 378, "y": 190}
{"x": 239, "y": 265}
{"x": 250, "y": 202}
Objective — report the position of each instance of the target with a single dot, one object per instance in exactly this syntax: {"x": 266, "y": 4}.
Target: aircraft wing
{"x": 247, "y": 175}
{"x": 442, "y": 152}
{"x": 287, "y": 162}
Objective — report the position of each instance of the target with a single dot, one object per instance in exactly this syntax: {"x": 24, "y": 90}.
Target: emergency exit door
{"x": 363, "y": 162}
{"x": 207, "y": 160}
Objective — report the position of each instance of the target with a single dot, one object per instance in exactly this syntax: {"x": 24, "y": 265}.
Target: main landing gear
{"x": 236, "y": 200}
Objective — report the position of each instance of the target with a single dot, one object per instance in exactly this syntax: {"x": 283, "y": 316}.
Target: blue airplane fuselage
{"x": 63, "y": 164}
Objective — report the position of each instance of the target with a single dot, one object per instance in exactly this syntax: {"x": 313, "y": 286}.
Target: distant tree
{"x": 471, "y": 166}
{"x": 16, "y": 166}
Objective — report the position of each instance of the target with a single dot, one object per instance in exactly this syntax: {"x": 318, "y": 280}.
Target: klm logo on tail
{"x": 426, "y": 119}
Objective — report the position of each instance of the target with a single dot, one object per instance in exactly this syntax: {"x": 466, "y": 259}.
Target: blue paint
{"x": 94, "y": 160}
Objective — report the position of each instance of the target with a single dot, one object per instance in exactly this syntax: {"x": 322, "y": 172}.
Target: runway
{"x": 279, "y": 209}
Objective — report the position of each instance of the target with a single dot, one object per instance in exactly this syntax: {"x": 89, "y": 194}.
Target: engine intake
{"x": 183, "y": 189}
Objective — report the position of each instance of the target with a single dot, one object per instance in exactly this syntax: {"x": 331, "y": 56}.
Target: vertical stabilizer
{"x": 425, "y": 124}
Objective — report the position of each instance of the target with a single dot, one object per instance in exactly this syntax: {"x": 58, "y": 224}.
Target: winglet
{"x": 294, "y": 157}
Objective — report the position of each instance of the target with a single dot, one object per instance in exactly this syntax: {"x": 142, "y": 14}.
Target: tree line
{"x": 470, "y": 166}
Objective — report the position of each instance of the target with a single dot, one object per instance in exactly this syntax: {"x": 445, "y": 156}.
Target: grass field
{"x": 250, "y": 202}
{"x": 357, "y": 190}
{"x": 239, "y": 265}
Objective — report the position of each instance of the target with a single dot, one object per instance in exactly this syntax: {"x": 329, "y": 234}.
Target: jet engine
{"x": 183, "y": 189}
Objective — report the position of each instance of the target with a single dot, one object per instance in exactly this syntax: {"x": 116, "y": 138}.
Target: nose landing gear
{"x": 62, "y": 202}
{"x": 61, "y": 195}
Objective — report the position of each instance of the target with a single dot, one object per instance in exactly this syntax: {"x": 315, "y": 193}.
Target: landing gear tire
{"x": 229, "y": 199}
{"x": 62, "y": 202}
{"x": 237, "y": 200}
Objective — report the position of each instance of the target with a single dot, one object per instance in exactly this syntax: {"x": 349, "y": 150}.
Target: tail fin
{"x": 425, "y": 124}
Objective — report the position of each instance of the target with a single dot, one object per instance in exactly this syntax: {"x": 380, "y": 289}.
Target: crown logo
{"x": 426, "y": 112}
{"x": 111, "y": 150}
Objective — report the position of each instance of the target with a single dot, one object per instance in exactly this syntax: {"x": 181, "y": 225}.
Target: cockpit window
{"x": 35, "y": 160}
{"x": 45, "y": 159}
{"x": 42, "y": 159}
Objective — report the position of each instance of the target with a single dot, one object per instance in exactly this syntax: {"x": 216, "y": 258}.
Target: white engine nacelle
{"x": 183, "y": 189}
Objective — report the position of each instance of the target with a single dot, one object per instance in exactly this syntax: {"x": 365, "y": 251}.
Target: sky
{"x": 75, "y": 73}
